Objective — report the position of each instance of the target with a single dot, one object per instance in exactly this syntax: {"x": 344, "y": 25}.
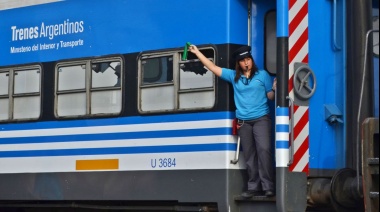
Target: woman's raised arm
{"x": 205, "y": 61}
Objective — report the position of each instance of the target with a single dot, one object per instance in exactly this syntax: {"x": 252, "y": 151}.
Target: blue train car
{"x": 100, "y": 110}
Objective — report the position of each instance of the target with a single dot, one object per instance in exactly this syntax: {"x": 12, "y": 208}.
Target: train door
{"x": 269, "y": 48}
{"x": 262, "y": 39}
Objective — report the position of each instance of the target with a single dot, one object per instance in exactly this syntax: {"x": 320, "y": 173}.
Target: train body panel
{"x": 327, "y": 59}
{"x": 125, "y": 144}
{"x": 75, "y": 32}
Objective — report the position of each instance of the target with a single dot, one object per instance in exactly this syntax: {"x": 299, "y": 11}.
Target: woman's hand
{"x": 193, "y": 49}
{"x": 274, "y": 86}
{"x": 271, "y": 94}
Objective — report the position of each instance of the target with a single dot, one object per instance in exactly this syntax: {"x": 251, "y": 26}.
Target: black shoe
{"x": 269, "y": 193}
{"x": 251, "y": 193}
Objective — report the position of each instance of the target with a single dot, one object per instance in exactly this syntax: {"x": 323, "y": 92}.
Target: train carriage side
{"x": 99, "y": 110}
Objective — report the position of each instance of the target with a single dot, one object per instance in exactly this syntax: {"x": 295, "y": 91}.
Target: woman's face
{"x": 246, "y": 64}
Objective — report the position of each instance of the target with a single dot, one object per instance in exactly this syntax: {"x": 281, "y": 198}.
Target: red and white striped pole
{"x": 299, "y": 52}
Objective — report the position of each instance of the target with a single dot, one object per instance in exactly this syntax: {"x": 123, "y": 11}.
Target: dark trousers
{"x": 255, "y": 138}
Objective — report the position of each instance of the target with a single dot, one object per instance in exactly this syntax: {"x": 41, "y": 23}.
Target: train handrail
{"x": 236, "y": 159}
{"x": 291, "y": 153}
{"x": 359, "y": 111}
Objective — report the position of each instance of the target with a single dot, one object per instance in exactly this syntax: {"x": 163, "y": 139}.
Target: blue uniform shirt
{"x": 250, "y": 99}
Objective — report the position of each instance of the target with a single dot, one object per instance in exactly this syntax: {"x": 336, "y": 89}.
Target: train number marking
{"x": 163, "y": 162}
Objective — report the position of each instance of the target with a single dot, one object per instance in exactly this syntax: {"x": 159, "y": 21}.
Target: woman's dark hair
{"x": 240, "y": 71}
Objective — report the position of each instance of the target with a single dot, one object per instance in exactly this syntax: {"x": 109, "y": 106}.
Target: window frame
{"x": 88, "y": 89}
{"x": 177, "y": 61}
{"x": 11, "y": 96}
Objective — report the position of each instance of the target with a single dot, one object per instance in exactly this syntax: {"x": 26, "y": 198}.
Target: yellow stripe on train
{"x": 99, "y": 164}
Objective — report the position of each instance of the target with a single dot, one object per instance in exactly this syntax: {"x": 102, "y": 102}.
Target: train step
{"x": 374, "y": 194}
{"x": 255, "y": 198}
{"x": 373, "y": 166}
{"x": 373, "y": 161}
{"x": 256, "y": 203}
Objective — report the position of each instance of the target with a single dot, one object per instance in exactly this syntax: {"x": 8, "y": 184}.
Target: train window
{"x": 194, "y": 75}
{"x": 20, "y": 93}
{"x": 72, "y": 77}
{"x": 89, "y": 87}
{"x": 196, "y": 86}
{"x": 27, "y": 81}
{"x": 27, "y": 97}
{"x": 4, "y": 79}
{"x": 166, "y": 83}
{"x": 157, "y": 70}
{"x": 270, "y": 42}
{"x": 106, "y": 88}
{"x": 108, "y": 76}
{"x": 4, "y": 109}
{"x": 157, "y": 91}
{"x": 4, "y": 95}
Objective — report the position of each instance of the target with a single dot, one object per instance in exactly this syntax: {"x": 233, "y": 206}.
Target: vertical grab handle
{"x": 236, "y": 159}
{"x": 235, "y": 132}
{"x": 291, "y": 153}
{"x": 335, "y": 24}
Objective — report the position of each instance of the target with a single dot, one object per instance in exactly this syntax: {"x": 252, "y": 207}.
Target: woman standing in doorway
{"x": 252, "y": 89}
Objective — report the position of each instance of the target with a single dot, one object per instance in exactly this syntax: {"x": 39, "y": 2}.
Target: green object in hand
{"x": 184, "y": 55}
